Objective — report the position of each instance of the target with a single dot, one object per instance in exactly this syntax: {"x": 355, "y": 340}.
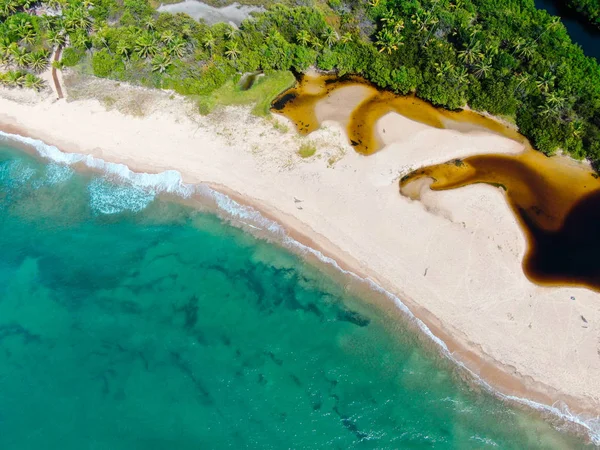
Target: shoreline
{"x": 472, "y": 368}
{"x": 507, "y": 381}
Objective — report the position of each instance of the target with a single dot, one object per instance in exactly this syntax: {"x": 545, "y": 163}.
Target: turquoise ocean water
{"x": 131, "y": 322}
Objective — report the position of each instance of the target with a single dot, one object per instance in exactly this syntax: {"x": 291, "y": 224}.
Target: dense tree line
{"x": 589, "y": 8}
{"x": 506, "y": 57}
{"x": 500, "y": 56}
{"x": 25, "y": 43}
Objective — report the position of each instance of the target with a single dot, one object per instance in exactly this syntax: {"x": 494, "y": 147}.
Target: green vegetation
{"x": 588, "y": 8}
{"x": 260, "y": 95}
{"x": 501, "y": 56}
{"x": 72, "y": 56}
{"x": 25, "y": 45}
{"x": 307, "y": 149}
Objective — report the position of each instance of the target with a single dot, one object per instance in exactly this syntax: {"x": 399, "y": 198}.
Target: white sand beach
{"x": 454, "y": 257}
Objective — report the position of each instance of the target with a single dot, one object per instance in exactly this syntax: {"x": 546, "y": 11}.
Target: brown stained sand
{"x": 541, "y": 190}
{"x": 356, "y": 104}
{"x": 555, "y": 199}
{"x": 299, "y": 102}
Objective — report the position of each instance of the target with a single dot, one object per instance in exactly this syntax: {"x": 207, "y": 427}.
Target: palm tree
{"x": 77, "y": 19}
{"x": 461, "y": 75}
{"x": 346, "y": 38}
{"x": 4, "y": 59}
{"x": 423, "y": 20}
{"x": 145, "y": 45}
{"x": 388, "y": 18}
{"x": 315, "y": 43}
{"x": 577, "y": 128}
{"x": 330, "y": 37}
{"x": 20, "y": 26}
{"x": 445, "y": 69}
{"x": 20, "y": 56}
{"x": 554, "y": 105}
{"x": 123, "y": 50}
{"x": 79, "y": 39}
{"x": 392, "y": 22}
{"x": 545, "y": 82}
{"x": 99, "y": 40}
{"x": 209, "y": 42}
{"x": 528, "y": 50}
{"x": 161, "y": 62}
{"x": 482, "y": 68}
{"x": 56, "y": 38}
{"x": 149, "y": 23}
{"x": 472, "y": 53}
{"x": 491, "y": 48}
{"x": 522, "y": 82}
{"x": 15, "y": 78}
{"x": 8, "y": 8}
{"x": 304, "y": 38}
{"x": 55, "y": 4}
{"x": 518, "y": 44}
{"x": 39, "y": 60}
{"x": 32, "y": 82}
{"x": 4, "y": 46}
{"x": 387, "y": 41}
{"x": 230, "y": 33}
{"x": 177, "y": 47}
{"x": 46, "y": 22}
{"x": 232, "y": 51}
{"x": 186, "y": 31}
{"x": 167, "y": 37}
{"x": 29, "y": 37}
{"x": 554, "y": 23}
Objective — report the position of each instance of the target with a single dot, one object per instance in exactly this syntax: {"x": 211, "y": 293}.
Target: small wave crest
{"x": 16, "y": 173}
{"x": 134, "y": 190}
{"x": 171, "y": 182}
{"x": 55, "y": 174}
{"x": 109, "y": 198}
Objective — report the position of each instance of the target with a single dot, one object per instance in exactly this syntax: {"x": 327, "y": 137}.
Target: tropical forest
{"x": 504, "y": 57}
{"x": 590, "y": 9}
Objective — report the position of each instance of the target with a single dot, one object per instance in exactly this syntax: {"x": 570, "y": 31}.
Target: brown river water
{"x": 556, "y": 200}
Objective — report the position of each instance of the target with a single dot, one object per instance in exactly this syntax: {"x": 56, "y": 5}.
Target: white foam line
{"x": 239, "y": 211}
{"x": 170, "y": 181}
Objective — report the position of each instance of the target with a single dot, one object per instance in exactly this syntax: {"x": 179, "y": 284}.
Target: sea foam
{"x": 170, "y": 181}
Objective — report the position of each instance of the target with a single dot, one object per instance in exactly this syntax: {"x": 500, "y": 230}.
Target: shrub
{"x": 105, "y": 64}
{"x": 307, "y": 149}
{"x": 71, "y": 56}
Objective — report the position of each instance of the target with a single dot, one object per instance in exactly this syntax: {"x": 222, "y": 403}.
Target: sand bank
{"x": 454, "y": 257}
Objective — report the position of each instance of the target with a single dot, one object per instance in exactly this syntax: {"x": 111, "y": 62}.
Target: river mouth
{"x": 359, "y": 106}
{"x": 556, "y": 200}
